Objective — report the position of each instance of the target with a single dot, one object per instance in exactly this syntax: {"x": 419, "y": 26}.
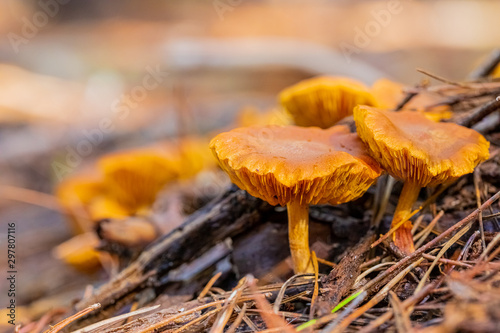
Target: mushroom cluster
{"x": 299, "y": 166}
{"x": 124, "y": 184}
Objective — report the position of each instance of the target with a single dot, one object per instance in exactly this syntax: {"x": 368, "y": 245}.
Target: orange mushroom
{"x": 323, "y": 101}
{"x": 296, "y": 167}
{"x": 131, "y": 180}
{"x": 129, "y": 186}
{"x": 136, "y": 176}
{"x": 419, "y": 152}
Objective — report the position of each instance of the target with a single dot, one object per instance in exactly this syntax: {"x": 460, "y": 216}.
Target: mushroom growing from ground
{"x": 296, "y": 167}
{"x": 419, "y": 152}
{"x": 323, "y": 101}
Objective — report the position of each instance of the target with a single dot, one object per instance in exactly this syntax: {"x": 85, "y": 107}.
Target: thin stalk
{"x": 298, "y": 235}
{"x": 403, "y": 238}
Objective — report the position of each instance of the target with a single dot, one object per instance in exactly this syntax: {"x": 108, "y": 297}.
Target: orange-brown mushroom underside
{"x": 290, "y": 163}
{"x": 411, "y": 147}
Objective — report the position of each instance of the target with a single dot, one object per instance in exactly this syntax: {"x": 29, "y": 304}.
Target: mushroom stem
{"x": 402, "y": 237}
{"x": 298, "y": 235}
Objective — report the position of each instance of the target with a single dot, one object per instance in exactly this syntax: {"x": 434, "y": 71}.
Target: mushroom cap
{"x": 280, "y": 164}
{"x": 323, "y": 101}
{"x": 413, "y": 148}
{"x": 134, "y": 177}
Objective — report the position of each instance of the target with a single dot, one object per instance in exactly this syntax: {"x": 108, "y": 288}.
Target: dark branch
{"x": 481, "y": 112}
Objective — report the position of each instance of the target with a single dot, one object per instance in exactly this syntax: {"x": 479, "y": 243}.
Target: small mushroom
{"x": 418, "y": 152}
{"x": 134, "y": 177}
{"x": 323, "y": 101}
{"x": 296, "y": 167}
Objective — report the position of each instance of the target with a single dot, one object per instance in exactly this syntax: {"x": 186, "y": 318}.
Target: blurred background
{"x": 83, "y": 78}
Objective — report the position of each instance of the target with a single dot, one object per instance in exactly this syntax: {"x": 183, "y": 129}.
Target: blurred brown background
{"x": 215, "y": 57}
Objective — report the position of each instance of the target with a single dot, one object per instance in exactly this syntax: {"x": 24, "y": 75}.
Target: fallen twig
{"x": 59, "y": 326}
{"x": 481, "y": 112}
{"x": 487, "y": 67}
